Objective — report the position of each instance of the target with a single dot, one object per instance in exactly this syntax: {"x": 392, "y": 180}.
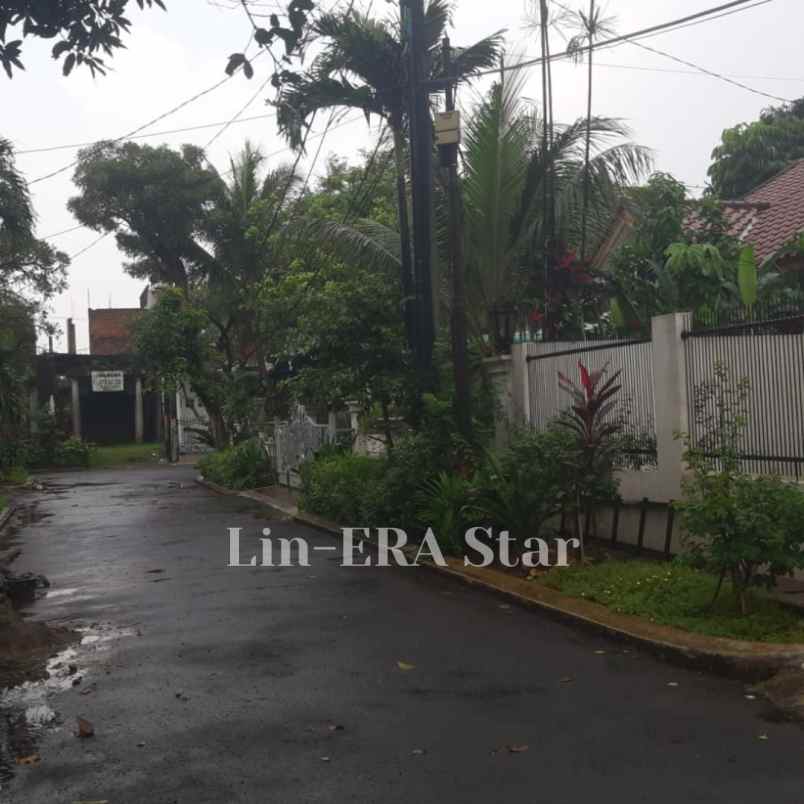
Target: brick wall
{"x": 110, "y": 331}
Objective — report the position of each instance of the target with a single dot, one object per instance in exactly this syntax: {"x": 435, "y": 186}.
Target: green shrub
{"x": 391, "y": 501}
{"x": 441, "y": 504}
{"x": 244, "y": 466}
{"x": 337, "y": 486}
{"x": 747, "y": 529}
{"x": 526, "y": 485}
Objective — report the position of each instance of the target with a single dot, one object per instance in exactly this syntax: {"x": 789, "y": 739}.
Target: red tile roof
{"x": 772, "y": 214}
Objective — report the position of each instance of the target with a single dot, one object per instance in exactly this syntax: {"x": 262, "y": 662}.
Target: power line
{"x": 701, "y": 16}
{"x": 63, "y": 232}
{"x": 137, "y": 130}
{"x": 162, "y": 133}
{"x": 696, "y": 72}
{"x": 234, "y": 119}
{"x": 711, "y": 73}
{"x": 88, "y": 247}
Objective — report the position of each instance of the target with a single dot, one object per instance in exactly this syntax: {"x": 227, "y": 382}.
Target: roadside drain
{"x": 29, "y": 710}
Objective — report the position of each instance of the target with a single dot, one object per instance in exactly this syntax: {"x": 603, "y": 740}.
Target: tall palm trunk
{"x": 591, "y": 35}
{"x": 405, "y": 252}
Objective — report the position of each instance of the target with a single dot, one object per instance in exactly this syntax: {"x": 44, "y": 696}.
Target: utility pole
{"x": 421, "y": 170}
{"x": 448, "y": 135}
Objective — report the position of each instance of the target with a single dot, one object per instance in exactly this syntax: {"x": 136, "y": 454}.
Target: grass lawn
{"x": 672, "y": 594}
{"x": 123, "y": 454}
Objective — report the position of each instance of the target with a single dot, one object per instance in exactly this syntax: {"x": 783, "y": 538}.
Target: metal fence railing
{"x": 635, "y": 412}
{"x": 764, "y": 349}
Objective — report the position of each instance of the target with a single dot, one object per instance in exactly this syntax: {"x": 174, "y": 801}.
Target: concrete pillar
{"x": 670, "y": 398}
{"x": 76, "y": 407}
{"x": 71, "y": 337}
{"x": 139, "y": 418}
{"x": 34, "y": 410}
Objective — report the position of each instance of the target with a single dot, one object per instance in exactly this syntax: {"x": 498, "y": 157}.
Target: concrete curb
{"x": 751, "y": 661}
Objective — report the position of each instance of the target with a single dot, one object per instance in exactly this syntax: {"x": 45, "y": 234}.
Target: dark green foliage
{"x": 520, "y": 490}
{"x": 82, "y": 30}
{"x": 337, "y": 486}
{"x": 442, "y": 505}
{"x": 751, "y": 153}
{"x": 50, "y": 447}
{"x": 668, "y": 265}
{"x": 244, "y": 466}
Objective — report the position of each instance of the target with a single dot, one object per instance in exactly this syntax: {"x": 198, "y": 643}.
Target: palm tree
{"x": 506, "y": 221}
{"x": 591, "y": 27}
{"x": 506, "y": 169}
{"x": 364, "y": 66}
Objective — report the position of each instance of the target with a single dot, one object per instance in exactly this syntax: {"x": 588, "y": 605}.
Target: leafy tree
{"x": 751, "y": 153}
{"x": 31, "y": 272}
{"x": 84, "y": 29}
{"x": 184, "y": 226}
{"x": 154, "y": 200}
{"x": 680, "y": 256}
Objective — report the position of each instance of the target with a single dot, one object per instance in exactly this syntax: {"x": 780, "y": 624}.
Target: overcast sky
{"x": 676, "y": 112}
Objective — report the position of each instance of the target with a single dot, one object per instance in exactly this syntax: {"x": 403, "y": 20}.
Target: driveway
{"x": 221, "y": 685}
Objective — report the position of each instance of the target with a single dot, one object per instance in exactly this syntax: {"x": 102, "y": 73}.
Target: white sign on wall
{"x": 107, "y": 380}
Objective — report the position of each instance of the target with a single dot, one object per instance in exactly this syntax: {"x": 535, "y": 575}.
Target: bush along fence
{"x": 676, "y": 382}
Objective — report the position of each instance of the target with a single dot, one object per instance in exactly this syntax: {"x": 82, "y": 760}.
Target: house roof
{"x": 768, "y": 217}
{"x": 772, "y": 214}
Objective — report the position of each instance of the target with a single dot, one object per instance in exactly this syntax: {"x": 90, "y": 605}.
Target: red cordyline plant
{"x": 594, "y": 430}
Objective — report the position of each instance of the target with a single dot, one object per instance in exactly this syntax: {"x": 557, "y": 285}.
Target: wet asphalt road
{"x": 267, "y": 661}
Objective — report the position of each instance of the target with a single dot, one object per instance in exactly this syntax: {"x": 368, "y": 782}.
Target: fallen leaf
{"x": 405, "y": 666}
{"x": 517, "y": 749}
{"x": 32, "y": 759}
{"x": 85, "y": 728}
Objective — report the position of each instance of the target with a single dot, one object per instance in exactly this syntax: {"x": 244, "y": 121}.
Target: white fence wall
{"x": 774, "y": 367}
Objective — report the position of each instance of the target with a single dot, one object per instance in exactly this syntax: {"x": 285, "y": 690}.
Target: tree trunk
{"x": 406, "y": 254}
{"x": 588, "y": 133}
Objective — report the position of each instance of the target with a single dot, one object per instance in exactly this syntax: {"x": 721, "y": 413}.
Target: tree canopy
{"x": 751, "y": 153}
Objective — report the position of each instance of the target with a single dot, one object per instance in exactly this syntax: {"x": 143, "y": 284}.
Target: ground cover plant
{"x": 671, "y": 593}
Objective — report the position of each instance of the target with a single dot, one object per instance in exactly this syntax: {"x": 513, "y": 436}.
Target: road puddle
{"x": 30, "y": 709}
